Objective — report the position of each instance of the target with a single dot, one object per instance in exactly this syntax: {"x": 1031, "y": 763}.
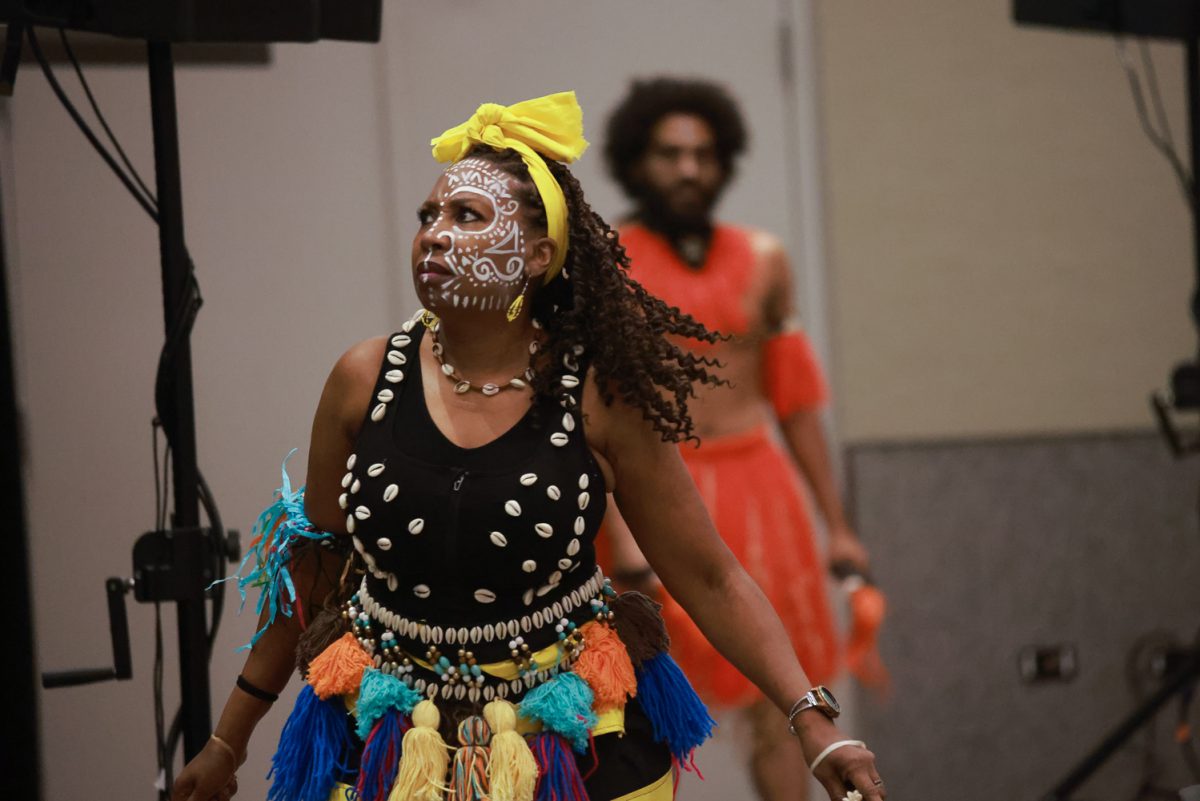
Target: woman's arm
{"x": 628, "y": 567}
{"x": 315, "y": 572}
{"x": 669, "y": 522}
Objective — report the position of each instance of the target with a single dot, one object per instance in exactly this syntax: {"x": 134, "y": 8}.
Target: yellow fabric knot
{"x": 487, "y": 125}
{"x": 544, "y": 127}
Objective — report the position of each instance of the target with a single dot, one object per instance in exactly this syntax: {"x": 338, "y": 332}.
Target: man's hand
{"x": 844, "y": 546}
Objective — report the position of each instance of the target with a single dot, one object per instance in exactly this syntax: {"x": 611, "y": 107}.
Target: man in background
{"x": 672, "y": 146}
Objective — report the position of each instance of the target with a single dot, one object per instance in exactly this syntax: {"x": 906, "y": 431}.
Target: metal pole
{"x": 181, "y": 428}
{"x": 1192, "y": 65}
{"x": 19, "y": 696}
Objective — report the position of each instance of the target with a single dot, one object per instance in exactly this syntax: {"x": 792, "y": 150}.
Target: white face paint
{"x": 480, "y": 237}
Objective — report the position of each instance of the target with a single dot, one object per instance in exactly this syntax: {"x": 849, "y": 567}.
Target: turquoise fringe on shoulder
{"x": 280, "y": 528}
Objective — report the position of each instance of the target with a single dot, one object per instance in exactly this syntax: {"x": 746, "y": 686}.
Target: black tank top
{"x": 471, "y": 548}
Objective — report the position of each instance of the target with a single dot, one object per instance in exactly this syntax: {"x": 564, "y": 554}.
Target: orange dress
{"x": 751, "y": 488}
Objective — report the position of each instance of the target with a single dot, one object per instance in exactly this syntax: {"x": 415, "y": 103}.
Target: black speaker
{"x": 206, "y": 20}
{"x": 1165, "y": 19}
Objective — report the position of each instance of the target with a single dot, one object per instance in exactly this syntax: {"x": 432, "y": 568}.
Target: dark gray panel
{"x": 986, "y": 547}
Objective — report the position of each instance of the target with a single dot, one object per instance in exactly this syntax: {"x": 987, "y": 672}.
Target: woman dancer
{"x": 471, "y": 649}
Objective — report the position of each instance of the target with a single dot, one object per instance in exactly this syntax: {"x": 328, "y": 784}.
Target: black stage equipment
{"x": 175, "y": 563}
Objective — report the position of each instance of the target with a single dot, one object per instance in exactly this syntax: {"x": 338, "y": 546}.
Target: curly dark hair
{"x": 649, "y": 101}
{"x": 594, "y": 314}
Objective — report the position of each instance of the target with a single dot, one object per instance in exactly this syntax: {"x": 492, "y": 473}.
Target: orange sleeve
{"x": 792, "y": 378}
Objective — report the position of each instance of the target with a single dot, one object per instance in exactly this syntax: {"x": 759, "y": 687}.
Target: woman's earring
{"x": 514, "y": 308}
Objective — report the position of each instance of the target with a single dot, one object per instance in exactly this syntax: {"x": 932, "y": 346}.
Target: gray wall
{"x": 284, "y": 223}
{"x": 301, "y": 181}
{"x": 986, "y": 547}
{"x": 1006, "y": 270}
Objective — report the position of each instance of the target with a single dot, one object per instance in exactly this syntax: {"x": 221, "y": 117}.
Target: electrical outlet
{"x": 1044, "y": 663}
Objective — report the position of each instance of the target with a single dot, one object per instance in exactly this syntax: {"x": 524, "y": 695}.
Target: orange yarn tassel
{"x": 867, "y": 609}
{"x": 604, "y": 664}
{"x": 339, "y": 668}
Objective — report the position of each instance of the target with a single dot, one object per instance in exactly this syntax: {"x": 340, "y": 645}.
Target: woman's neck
{"x": 480, "y": 348}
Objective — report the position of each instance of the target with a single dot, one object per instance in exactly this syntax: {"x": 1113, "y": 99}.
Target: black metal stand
{"x": 1180, "y": 681}
{"x": 176, "y": 276}
{"x": 174, "y": 564}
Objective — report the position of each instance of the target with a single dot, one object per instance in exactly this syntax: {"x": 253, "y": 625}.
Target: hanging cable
{"x": 1159, "y": 136}
{"x": 87, "y": 90}
{"x": 143, "y": 201}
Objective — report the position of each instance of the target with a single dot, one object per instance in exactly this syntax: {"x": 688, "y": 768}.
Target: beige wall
{"x": 1007, "y": 252}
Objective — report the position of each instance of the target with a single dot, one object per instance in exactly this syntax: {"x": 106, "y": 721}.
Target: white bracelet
{"x": 829, "y": 749}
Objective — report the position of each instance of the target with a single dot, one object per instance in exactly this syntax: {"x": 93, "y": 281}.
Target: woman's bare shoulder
{"x": 361, "y": 360}
{"x": 348, "y": 389}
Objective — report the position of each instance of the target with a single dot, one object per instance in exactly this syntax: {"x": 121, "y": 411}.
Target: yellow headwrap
{"x": 550, "y": 127}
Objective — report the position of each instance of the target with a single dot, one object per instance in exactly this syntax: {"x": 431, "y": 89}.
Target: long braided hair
{"x": 594, "y": 313}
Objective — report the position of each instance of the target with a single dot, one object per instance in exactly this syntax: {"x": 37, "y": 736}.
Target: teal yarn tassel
{"x": 379, "y": 693}
{"x": 677, "y": 714}
{"x": 313, "y": 750}
{"x": 563, "y": 705}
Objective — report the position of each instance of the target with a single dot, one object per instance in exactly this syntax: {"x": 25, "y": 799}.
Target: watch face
{"x": 827, "y": 698}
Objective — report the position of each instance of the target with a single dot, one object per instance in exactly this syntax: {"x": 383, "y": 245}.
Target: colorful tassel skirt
{"x": 601, "y": 714}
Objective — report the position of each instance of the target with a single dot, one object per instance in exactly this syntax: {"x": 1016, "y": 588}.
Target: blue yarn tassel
{"x": 378, "y": 693}
{"x": 280, "y": 528}
{"x": 381, "y": 757}
{"x": 558, "y": 772}
{"x": 313, "y": 750}
{"x": 677, "y": 714}
{"x": 563, "y": 705}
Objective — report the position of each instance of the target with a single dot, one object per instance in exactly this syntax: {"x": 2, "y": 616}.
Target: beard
{"x": 685, "y": 209}
{"x": 682, "y": 214}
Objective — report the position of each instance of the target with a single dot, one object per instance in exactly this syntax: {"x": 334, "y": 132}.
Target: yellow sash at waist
{"x": 507, "y": 669}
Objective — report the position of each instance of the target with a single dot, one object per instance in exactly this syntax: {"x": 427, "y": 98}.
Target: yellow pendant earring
{"x": 514, "y": 308}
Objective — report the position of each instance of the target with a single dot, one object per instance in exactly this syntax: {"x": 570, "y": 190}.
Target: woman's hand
{"x": 210, "y": 776}
{"x": 848, "y": 767}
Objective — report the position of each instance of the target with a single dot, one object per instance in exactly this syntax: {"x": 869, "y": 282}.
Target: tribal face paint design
{"x": 477, "y": 230}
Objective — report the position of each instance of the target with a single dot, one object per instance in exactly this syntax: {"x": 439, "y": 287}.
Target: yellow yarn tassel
{"x": 604, "y": 664}
{"x": 513, "y": 770}
{"x": 424, "y": 758}
{"x": 339, "y": 668}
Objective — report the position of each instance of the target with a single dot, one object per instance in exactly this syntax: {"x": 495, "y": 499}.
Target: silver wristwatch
{"x": 818, "y": 697}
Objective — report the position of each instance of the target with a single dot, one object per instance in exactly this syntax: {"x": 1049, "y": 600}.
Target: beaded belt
{"x": 497, "y": 631}
{"x": 465, "y": 678}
